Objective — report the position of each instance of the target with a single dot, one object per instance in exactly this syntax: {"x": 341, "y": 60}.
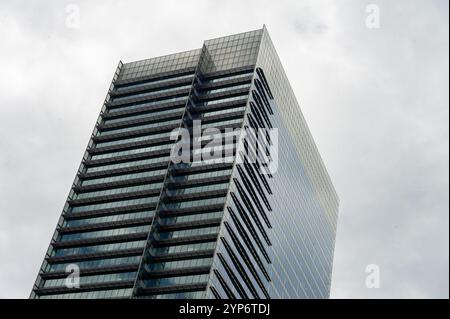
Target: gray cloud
{"x": 376, "y": 101}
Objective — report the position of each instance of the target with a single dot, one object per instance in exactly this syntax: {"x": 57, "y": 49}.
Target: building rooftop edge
{"x": 125, "y": 64}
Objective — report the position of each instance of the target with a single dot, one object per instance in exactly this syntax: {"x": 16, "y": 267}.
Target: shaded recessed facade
{"x": 137, "y": 224}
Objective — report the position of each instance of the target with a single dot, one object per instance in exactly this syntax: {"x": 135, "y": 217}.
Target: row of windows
{"x": 142, "y": 105}
{"x": 85, "y": 280}
{"x": 121, "y": 190}
{"x": 131, "y": 152}
{"x": 115, "y": 204}
{"x": 213, "y": 134}
{"x": 188, "y": 233}
{"x": 172, "y": 62}
{"x": 161, "y": 282}
{"x": 213, "y": 161}
{"x": 183, "y": 295}
{"x": 153, "y": 81}
{"x": 219, "y": 112}
{"x": 107, "y": 219}
{"x": 150, "y": 136}
{"x": 98, "y": 263}
{"x": 230, "y": 77}
{"x": 138, "y": 127}
{"x": 229, "y": 88}
{"x": 191, "y": 218}
{"x": 197, "y": 189}
{"x": 214, "y": 150}
{"x": 98, "y": 294}
{"x": 183, "y": 248}
{"x": 179, "y": 264}
{"x": 195, "y": 203}
{"x": 159, "y": 91}
{"x": 205, "y": 162}
{"x": 220, "y": 123}
{"x": 233, "y": 56}
{"x": 105, "y": 233}
{"x": 108, "y": 167}
{"x": 99, "y": 248}
{"x": 123, "y": 177}
{"x": 227, "y": 99}
{"x": 200, "y": 175}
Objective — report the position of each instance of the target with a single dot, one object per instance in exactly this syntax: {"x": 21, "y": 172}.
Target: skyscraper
{"x": 153, "y": 214}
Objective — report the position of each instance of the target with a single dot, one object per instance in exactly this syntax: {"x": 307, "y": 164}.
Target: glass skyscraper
{"x": 258, "y": 222}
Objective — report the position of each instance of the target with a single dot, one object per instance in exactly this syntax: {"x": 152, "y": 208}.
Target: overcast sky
{"x": 376, "y": 101}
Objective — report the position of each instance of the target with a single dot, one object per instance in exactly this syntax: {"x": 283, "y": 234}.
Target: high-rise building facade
{"x": 258, "y": 221}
